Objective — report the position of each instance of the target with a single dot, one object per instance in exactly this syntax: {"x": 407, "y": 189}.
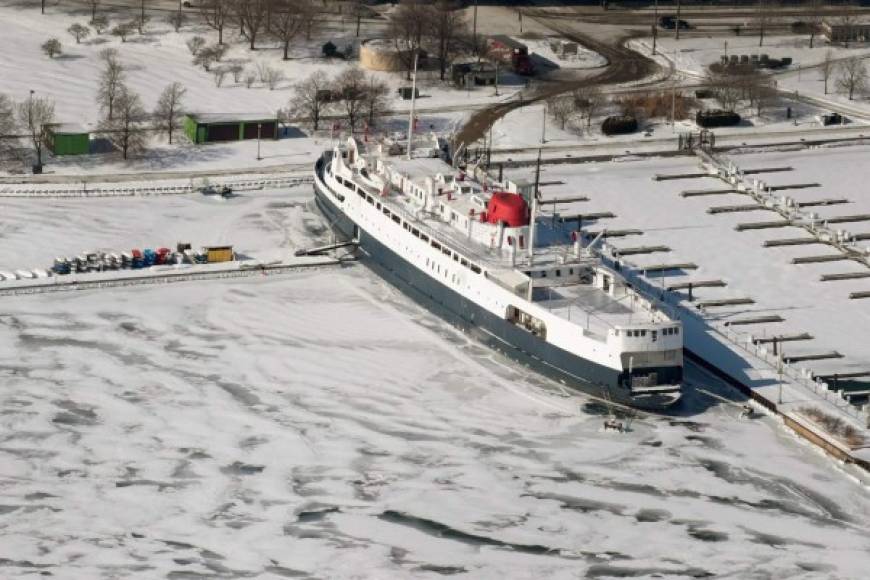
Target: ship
{"x": 481, "y": 255}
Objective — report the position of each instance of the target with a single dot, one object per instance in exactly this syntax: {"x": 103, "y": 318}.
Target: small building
{"x": 849, "y": 32}
{"x": 68, "y": 139}
{"x": 218, "y": 254}
{"x": 207, "y": 128}
{"x": 473, "y": 74}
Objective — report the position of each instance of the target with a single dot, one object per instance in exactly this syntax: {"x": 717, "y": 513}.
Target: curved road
{"x": 623, "y": 65}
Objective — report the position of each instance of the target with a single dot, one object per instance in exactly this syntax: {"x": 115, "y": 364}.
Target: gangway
{"x": 320, "y": 250}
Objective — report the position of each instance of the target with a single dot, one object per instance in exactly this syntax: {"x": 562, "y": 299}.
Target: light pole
{"x": 259, "y": 130}
{"x": 655, "y": 25}
{"x": 544, "y": 125}
{"x": 474, "y": 28}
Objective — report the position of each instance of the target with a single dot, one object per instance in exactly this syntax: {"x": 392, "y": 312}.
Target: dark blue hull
{"x": 497, "y": 333}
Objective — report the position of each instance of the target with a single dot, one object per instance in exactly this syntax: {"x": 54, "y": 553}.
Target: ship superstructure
{"x": 478, "y": 254}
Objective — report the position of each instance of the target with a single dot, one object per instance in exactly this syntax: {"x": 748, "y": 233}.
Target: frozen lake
{"x": 322, "y": 425}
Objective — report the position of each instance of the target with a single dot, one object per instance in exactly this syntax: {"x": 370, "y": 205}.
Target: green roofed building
{"x": 68, "y": 139}
{"x": 204, "y": 128}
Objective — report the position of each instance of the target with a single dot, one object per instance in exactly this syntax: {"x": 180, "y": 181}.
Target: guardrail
{"x": 60, "y": 284}
{"x": 85, "y": 190}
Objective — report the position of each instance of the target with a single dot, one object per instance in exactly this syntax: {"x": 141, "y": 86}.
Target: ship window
{"x": 446, "y": 251}
{"x": 386, "y": 210}
{"x": 436, "y": 245}
{"x": 397, "y": 219}
{"x": 424, "y": 237}
{"x": 558, "y": 272}
{"x": 543, "y": 274}
{"x": 570, "y": 270}
{"x": 677, "y": 330}
{"x": 415, "y": 231}
{"x": 360, "y": 192}
{"x": 464, "y": 262}
{"x": 378, "y": 205}
{"x": 643, "y": 333}
{"x": 475, "y": 269}
{"x": 369, "y": 199}
{"x": 455, "y": 257}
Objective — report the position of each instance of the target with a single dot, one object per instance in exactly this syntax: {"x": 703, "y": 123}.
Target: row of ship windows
{"x": 417, "y": 233}
{"x": 639, "y": 333}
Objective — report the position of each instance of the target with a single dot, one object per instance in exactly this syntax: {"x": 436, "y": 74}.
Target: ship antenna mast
{"x": 534, "y": 208}
{"x": 413, "y": 102}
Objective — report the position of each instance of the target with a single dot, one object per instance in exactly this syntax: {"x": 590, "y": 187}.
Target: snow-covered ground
{"x": 160, "y": 56}
{"x": 324, "y": 426}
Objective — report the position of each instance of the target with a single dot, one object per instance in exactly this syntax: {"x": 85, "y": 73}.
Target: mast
{"x": 534, "y": 208}
{"x": 413, "y": 102}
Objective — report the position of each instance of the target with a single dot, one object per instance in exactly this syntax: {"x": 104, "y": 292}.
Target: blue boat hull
{"x": 495, "y": 332}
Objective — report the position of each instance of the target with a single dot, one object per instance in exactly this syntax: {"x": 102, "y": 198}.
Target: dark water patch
{"x": 706, "y": 535}
{"x": 605, "y": 571}
{"x": 38, "y": 495}
{"x": 8, "y": 509}
{"x": 439, "y": 530}
{"x": 316, "y": 515}
{"x": 443, "y": 570}
{"x": 184, "y": 561}
{"x": 284, "y": 204}
{"x": 180, "y": 350}
{"x": 252, "y": 442}
{"x": 776, "y": 541}
{"x": 237, "y": 391}
{"x": 708, "y": 442}
{"x": 29, "y": 453}
{"x": 780, "y": 487}
{"x": 652, "y": 515}
{"x": 655, "y": 443}
{"x": 160, "y": 485}
{"x": 194, "y": 453}
{"x": 74, "y": 414}
{"x": 581, "y": 504}
{"x": 6, "y": 562}
{"x": 239, "y": 468}
{"x": 815, "y": 567}
{"x": 184, "y": 470}
{"x": 286, "y": 572}
{"x": 690, "y": 425}
{"x": 179, "y": 545}
{"x": 643, "y": 488}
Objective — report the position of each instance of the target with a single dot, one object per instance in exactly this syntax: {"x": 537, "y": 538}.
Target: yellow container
{"x": 219, "y": 254}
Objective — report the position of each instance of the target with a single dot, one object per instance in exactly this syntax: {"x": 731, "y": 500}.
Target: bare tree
{"x": 727, "y": 87}
{"x": 758, "y": 88}
{"x": 827, "y": 68}
{"x": 375, "y": 100}
{"x": 272, "y": 77}
{"x": 141, "y": 22}
{"x": 448, "y": 29}
{"x": 312, "y": 97}
{"x": 249, "y": 79}
{"x": 407, "y": 27}
{"x": 766, "y": 13}
{"x": 236, "y": 69}
{"x": 219, "y": 74}
{"x": 847, "y": 21}
{"x": 815, "y": 17}
{"x": 852, "y": 76}
{"x": 167, "y": 113}
{"x": 251, "y": 16}
{"x": 100, "y": 23}
{"x": 94, "y": 4}
{"x": 123, "y": 29}
{"x": 52, "y": 47}
{"x": 111, "y": 81}
{"x": 349, "y": 88}
{"x": 561, "y": 108}
{"x": 216, "y": 14}
{"x": 79, "y": 32}
{"x": 177, "y": 19}
{"x": 311, "y": 18}
{"x": 357, "y": 10}
{"x": 287, "y": 22}
{"x": 207, "y": 56}
{"x": 195, "y": 44}
{"x": 8, "y": 125}
{"x": 34, "y": 116}
{"x": 588, "y": 100}
{"x": 125, "y": 130}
